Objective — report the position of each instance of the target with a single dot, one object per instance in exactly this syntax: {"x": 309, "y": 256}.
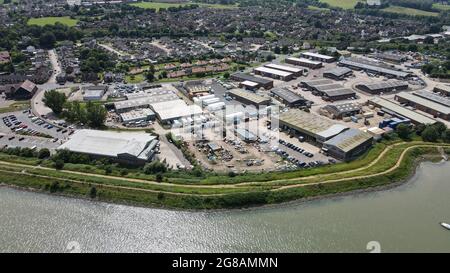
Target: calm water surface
{"x": 405, "y": 218}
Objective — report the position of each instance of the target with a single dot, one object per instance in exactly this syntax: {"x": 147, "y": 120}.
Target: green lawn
{"x": 52, "y": 20}
{"x": 157, "y": 5}
{"x": 136, "y": 79}
{"x": 441, "y": 6}
{"x": 410, "y": 11}
{"x": 345, "y": 4}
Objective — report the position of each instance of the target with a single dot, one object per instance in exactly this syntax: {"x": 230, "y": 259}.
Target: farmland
{"x": 345, "y": 4}
{"x": 157, "y": 6}
{"x": 410, "y": 11}
{"x": 52, "y": 20}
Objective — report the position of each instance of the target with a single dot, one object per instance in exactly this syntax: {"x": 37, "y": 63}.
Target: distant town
{"x": 186, "y": 104}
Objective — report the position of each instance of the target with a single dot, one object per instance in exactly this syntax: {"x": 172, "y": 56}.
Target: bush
{"x": 54, "y": 187}
{"x": 159, "y": 177}
{"x": 108, "y": 169}
{"x": 155, "y": 167}
{"x": 59, "y": 164}
{"x": 43, "y": 153}
{"x": 93, "y": 192}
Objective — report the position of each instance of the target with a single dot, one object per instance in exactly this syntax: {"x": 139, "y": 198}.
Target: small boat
{"x": 445, "y": 225}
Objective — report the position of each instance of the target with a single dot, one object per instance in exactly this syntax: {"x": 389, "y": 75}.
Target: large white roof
{"x": 175, "y": 109}
{"x": 108, "y": 143}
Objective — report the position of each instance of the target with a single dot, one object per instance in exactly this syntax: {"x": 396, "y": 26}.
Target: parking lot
{"x": 24, "y": 123}
{"x": 12, "y": 141}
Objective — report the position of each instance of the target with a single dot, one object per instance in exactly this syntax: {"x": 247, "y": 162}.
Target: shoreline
{"x": 416, "y": 164}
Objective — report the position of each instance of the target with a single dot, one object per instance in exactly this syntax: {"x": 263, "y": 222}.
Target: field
{"x": 52, "y": 20}
{"x": 441, "y": 6}
{"x": 157, "y": 6}
{"x": 410, "y": 11}
{"x": 345, "y": 4}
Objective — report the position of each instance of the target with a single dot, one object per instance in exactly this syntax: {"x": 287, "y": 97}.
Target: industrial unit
{"x": 92, "y": 93}
{"x": 138, "y": 116}
{"x": 312, "y": 127}
{"x": 443, "y": 89}
{"x": 249, "y": 98}
{"x": 329, "y": 90}
{"x": 168, "y": 111}
{"x": 294, "y": 70}
{"x": 391, "y": 57}
{"x": 318, "y": 57}
{"x": 425, "y": 105}
{"x": 288, "y": 97}
{"x": 304, "y": 62}
{"x": 143, "y": 102}
{"x": 274, "y": 73}
{"x": 433, "y": 97}
{"x": 131, "y": 148}
{"x": 348, "y": 145}
{"x": 400, "y": 111}
{"x": 383, "y": 87}
{"x": 241, "y": 77}
{"x": 338, "y": 73}
{"x": 358, "y": 64}
{"x": 339, "y": 111}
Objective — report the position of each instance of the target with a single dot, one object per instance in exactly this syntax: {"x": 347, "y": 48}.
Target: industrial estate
{"x": 205, "y": 121}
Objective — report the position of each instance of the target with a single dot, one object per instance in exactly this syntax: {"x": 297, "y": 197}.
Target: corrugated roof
{"x": 249, "y": 96}
{"x": 424, "y": 102}
{"x": 349, "y": 139}
{"x": 402, "y": 111}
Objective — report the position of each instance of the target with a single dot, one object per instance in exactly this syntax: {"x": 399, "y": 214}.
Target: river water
{"x": 405, "y": 218}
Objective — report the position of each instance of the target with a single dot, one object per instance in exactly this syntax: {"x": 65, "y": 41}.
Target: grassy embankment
{"x": 345, "y": 4}
{"x": 16, "y": 106}
{"x": 389, "y": 164}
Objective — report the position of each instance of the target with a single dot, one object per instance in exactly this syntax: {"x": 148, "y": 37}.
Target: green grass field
{"x": 52, "y": 20}
{"x": 157, "y": 5}
{"x": 410, "y": 11}
{"x": 441, "y": 6}
{"x": 345, "y": 4}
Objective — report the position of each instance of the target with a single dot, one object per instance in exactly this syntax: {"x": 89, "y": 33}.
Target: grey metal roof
{"x": 317, "y": 82}
{"x": 323, "y": 88}
{"x": 339, "y": 92}
{"x": 349, "y": 139}
{"x": 433, "y": 97}
{"x": 247, "y": 77}
{"x": 338, "y": 71}
{"x": 425, "y": 102}
{"x": 384, "y": 85}
{"x": 287, "y": 95}
{"x": 371, "y": 67}
{"x": 343, "y": 108}
{"x": 402, "y": 111}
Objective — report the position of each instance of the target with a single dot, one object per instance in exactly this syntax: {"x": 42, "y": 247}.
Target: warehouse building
{"x": 245, "y": 135}
{"x": 142, "y": 101}
{"x": 248, "y": 85}
{"x": 289, "y": 98}
{"x": 168, "y": 111}
{"x": 433, "y": 97}
{"x": 91, "y": 93}
{"x": 138, "y": 116}
{"x": 383, "y": 87}
{"x": 131, "y": 148}
{"x": 443, "y": 89}
{"x": 313, "y": 83}
{"x": 241, "y": 77}
{"x": 339, "y": 111}
{"x": 312, "y": 127}
{"x": 248, "y": 97}
{"x": 348, "y": 145}
{"x": 400, "y": 111}
{"x": 304, "y": 62}
{"x": 317, "y": 57}
{"x": 294, "y": 70}
{"x": 425, "y": 105}
{"x": 371, "y": 67}
{"x": 338, "y": 73}
{"x": 392, "y": 57}
{"x": 337, "y": 94}
{"x": 273, "y": 73}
